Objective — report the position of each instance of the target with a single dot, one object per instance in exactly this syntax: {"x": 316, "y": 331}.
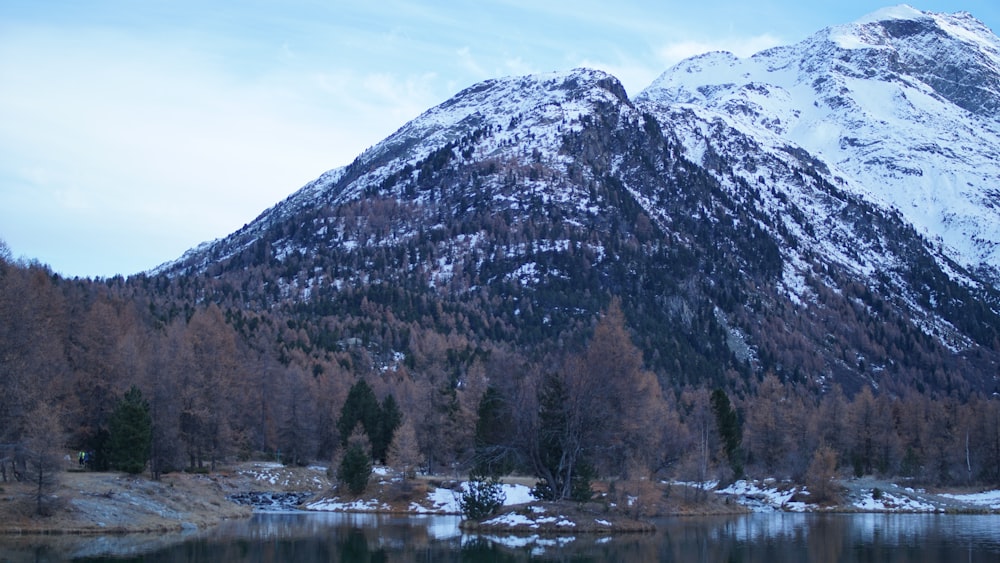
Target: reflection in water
{"x": 782, "y": 537}
{"x": 767, "y": 538}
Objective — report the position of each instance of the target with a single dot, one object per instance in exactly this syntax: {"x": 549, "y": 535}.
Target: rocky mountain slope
{"x": 822, "y": 212}
{"x": 900, "y": 107}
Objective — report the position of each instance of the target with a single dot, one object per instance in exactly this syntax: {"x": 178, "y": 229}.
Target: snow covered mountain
{"x": 824, "y": 211}
{"x": 900, "y": 106}
{"x": 494, "y": 124}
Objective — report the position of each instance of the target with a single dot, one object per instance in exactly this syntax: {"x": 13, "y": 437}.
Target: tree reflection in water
{"x": 771, "y": 538}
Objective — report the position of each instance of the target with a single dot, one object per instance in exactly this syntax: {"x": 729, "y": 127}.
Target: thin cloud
{"x": 633, "y": 75}
{"x": 515, "y": 66}
{"x": 162, "y": 140}
{"x": 673, "y": 53}
{"x": 469, "y": 63}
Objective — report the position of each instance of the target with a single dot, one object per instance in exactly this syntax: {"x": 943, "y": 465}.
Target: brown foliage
{"x": 821, "y": 474}
{"x": 404, "y": 451}
{"x": 622, "y": 402}
{"x": 236, "y": 376}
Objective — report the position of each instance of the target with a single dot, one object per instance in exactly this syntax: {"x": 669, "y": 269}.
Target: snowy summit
{"x": 900, "y": 106}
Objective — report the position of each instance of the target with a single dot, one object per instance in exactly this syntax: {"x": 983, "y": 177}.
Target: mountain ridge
{"x": 739, "y": 244}
{"x": 852, "y": 97}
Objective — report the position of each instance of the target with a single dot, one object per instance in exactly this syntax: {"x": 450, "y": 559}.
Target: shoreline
{"x": 117, "y": 504}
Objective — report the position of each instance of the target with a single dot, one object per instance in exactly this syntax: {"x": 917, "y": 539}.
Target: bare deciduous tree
{"x": 43, "y": 447}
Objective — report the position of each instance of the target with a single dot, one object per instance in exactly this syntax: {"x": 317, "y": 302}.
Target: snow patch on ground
{"x": 533, "y": 520}
{"x": 276, "y": 475}
{"x": 889, "y": 502}
{"x": 767, "y": 496}
{"x": 336, "y": 505}
{"x": 862, "y": 495}
{"x": 443, "y": 501}
{"x": 438, "y": 501}
{"x": 517, "y": 494}
{"x": 985, "y": 499}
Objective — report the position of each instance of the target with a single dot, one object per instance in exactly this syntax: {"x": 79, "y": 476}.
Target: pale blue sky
{"x": 134, "y": 130}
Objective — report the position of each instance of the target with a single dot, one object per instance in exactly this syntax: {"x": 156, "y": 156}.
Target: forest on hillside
{"x": 224, "y": 383}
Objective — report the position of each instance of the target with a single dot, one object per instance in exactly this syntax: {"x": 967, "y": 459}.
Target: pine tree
{"x": 728, "y": 426}
{"x": 131, "y": 432}
{"x": 362, "y": 407}
{"x": 483, "y": 496}
{"x": 492, "y": 429}
{"x": 356, "y": 467}
{"x": 389, "y": 420}
{"x": 558, "y": 452}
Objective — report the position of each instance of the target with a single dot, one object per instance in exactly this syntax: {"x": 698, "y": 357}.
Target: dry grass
{"x": 89, "y": 502}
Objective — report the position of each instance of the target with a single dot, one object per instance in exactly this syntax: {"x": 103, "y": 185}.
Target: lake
{"x": 768, "y": 538}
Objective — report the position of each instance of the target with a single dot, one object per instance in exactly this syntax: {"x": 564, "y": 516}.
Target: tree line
{"x": 223, "y": 384}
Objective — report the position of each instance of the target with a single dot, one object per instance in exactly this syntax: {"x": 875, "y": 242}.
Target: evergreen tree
{"x": 492, "y": 434}
{"x": 361, "y": 407}
{"x": 558, "y": 457}
{"x": 483, "y": 497}
{"x": 131, "y": 432}
{"x": 356, "y": 467}
{"x": 728, "y": 425}
{"x": 389, "y": 420}
{"x": 579, "y": 485}
{"x": 98, "y": 446}
{"x": 379, "y": 422}
{"x": 552, "y": 422}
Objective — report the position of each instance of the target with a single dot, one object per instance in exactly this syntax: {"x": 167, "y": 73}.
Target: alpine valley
{"x": 818, "y": 220}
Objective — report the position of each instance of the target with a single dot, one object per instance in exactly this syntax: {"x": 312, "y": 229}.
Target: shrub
{"x": 543, "y": 491}
{"x": 483, "y": 497}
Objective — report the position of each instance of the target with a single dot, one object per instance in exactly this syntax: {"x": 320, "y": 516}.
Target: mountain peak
{"x": 958, "y": 23}
{"x": 890, "y": 26}
{"x": 499, "y": 101}
{"x": 901, "y": 105}
{"x": 898, "y": 12}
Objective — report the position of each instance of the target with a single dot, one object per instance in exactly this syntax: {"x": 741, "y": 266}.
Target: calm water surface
{"x": 768, "y": 538}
